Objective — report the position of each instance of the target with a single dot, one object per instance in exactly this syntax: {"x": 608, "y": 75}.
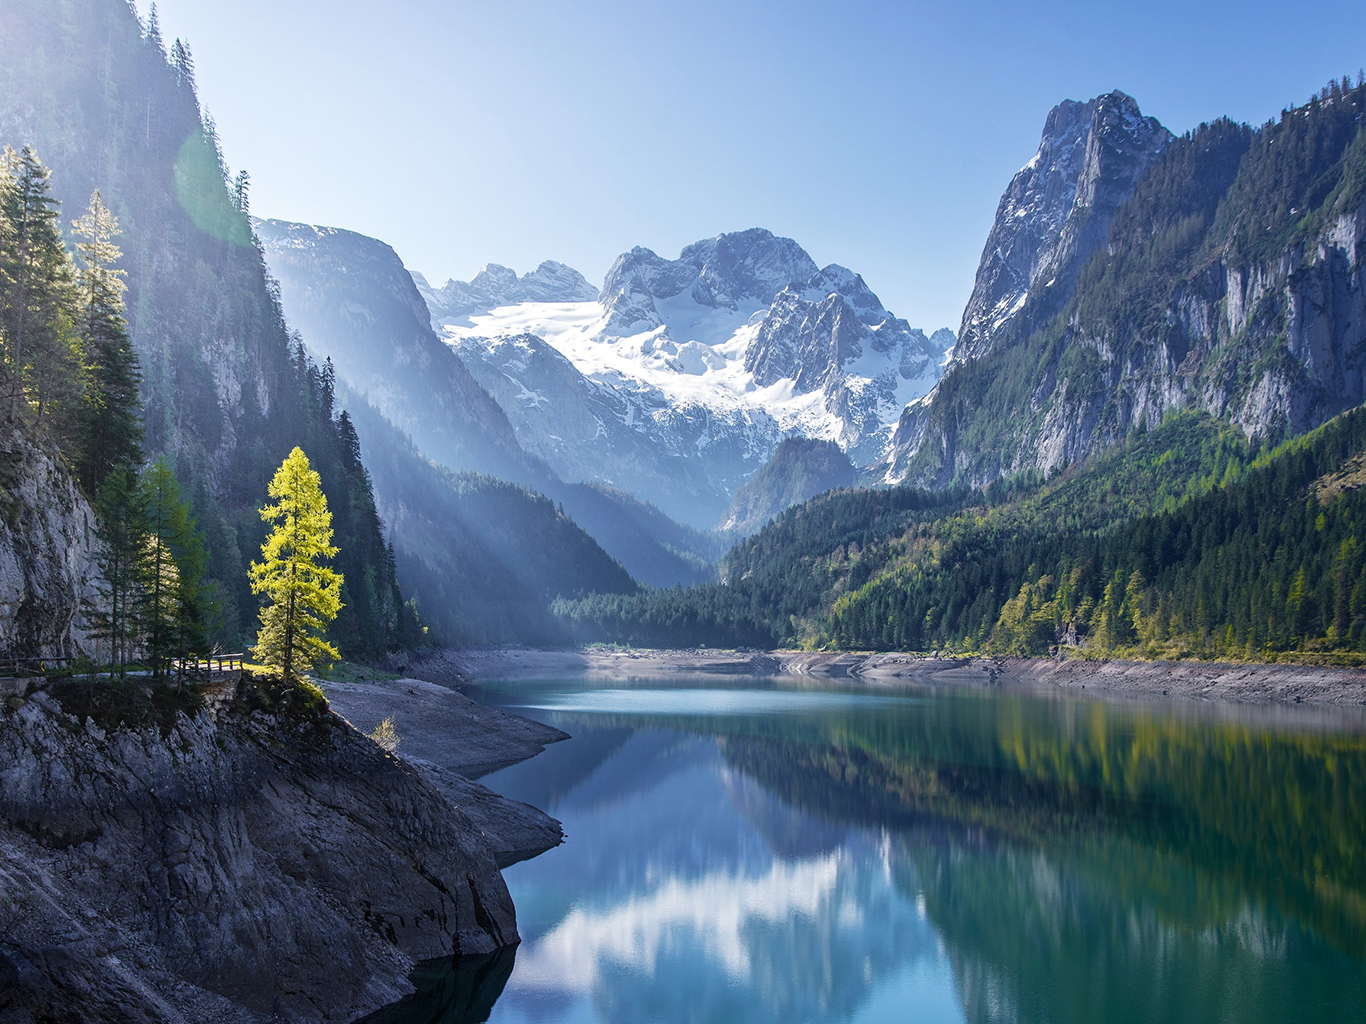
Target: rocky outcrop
{"x": 255, "y": 860}
{"x": 49, "y": 574}
{"x": 1058, "y": 208}
{"x": 1231, "y": 281}
{"x": 722, "y": 272}
{"x": 496, "y": 285}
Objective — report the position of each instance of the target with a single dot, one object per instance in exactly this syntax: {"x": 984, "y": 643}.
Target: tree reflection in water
{"x": 985, "y": 856}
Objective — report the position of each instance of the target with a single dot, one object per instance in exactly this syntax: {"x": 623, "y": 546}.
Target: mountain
{"x": 1229, "y": 276}
{"x": 226, "y": 392}
{"x": 484, "y": 558}
{"x": 359, "y": 307}
{"x": 800, "y": 469}
{"x": 706, "y": 361}
{"x": 496, "y": 285}
{"x": 1058, "y": 208}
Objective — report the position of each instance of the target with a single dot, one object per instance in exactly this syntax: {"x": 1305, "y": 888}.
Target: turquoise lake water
{"x": 749, "y": 850}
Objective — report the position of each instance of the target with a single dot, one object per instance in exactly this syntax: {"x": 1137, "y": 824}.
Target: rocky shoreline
{"x": 1247, "y": 683}
{"x": 248, "y": 856}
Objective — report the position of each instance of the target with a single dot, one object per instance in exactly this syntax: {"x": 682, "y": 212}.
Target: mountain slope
{"x": 226, "y": 392}
{"x": 483, "y": 557}
{"x": 1186, "y": 541}
{"x": 358, "y": 305}
{"x": 1232, "y": 280}
{"x": 496, "y": 285}
{"x": 800, "y": 469}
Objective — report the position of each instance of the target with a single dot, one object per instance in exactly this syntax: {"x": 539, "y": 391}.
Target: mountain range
{"x": 674, "y": 383}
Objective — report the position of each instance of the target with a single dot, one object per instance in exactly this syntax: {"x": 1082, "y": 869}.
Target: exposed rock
{"x": 1232, "y": 281}
{"x": 1058, "y": 208}
{"x": 497, "y": 285}
{"x": 346, "y": 292}
{"x": 256, "y": 861}
{"x": 48, "y": 554}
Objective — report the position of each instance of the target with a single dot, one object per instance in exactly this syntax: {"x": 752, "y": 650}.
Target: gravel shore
{"x": 1248, "y": 683}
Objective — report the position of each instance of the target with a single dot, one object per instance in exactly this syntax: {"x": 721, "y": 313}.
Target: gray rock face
{"x": 1226, "y": 285}
{"x": 720, "y": 272}
{"x": 49, "y": 576}
{"x": 497, "y": 285}
{"x": 242, "y": 865}
{"x": 1058, "y": 208}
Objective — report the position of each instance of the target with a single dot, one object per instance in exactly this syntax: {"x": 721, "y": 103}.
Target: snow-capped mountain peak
{"x": 496, "y": 285}
{"x": 714, "y": 356}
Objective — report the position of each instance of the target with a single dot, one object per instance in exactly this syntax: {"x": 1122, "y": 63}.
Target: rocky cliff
{"x": 1231, "y": 280}
{"x": 1057, "y": 209}
{"x": 357, "y": 305}
{"x": 48, "y": 548}
{"x": 251, "y": 859}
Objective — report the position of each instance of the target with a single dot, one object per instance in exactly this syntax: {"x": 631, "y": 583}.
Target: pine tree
{"x": 111, "y": 421}
{"x": 303, "y": 595}
{"x": 123, "y": 531}
{"x": 173, "y": 566}
{"x": 39, "y": 342}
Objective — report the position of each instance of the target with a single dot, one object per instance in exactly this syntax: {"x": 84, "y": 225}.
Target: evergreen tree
{"x": 39, "y": 342}
{"x": 304, "y": 595}
{"x": 173, "y": 566}
{"x": 123, "y": 531}
{"x": 111, "y": 421}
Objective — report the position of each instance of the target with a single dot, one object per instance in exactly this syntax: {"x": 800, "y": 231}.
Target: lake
{"x": 760, "y": 850}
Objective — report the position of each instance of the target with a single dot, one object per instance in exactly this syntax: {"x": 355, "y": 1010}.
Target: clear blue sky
{"x": 879, "y": 135}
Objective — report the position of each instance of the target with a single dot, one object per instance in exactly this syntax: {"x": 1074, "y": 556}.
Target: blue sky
{"x": 879, "y": 135}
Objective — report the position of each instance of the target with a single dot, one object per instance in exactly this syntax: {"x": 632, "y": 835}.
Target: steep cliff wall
{"x": 250, "y": 861}
{"x": 1231, "y": 281}
{"x": 48, "y": 571}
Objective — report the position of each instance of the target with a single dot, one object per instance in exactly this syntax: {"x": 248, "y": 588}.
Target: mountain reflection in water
{"x": 756, "y": 851}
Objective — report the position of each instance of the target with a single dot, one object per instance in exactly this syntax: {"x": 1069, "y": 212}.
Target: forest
{"x": 173, "y": 564}
{"x": 1188, "y": 541}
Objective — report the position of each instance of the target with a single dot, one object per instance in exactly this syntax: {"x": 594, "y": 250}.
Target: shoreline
{"x": 1204, "y": 681}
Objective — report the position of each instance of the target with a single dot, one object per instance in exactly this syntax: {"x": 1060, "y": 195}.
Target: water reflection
{"x": 761, "y": 851}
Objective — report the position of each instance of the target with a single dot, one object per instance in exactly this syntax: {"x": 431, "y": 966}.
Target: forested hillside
{"x": 107, "y": 104}
{"x": 483, "y": 557}
{"x": 1185, "y": 542}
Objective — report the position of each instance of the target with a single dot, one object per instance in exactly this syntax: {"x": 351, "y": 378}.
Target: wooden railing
{"x": 211, "y": 663}
{"x": 17, "y": 668}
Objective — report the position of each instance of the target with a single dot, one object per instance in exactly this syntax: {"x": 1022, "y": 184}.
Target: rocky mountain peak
{"x": 724, "y": 272}
{"x": 1058, "y": 208}
{"x": 496, "y": 285}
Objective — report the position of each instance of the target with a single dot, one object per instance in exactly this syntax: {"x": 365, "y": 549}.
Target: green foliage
{"x": 110, "y": 432}
{"x": 1186, "y": 542}
{"x": 800, "y": 469}
{"x": 38, "y": 305}
{"x": 122, "y": 527}
{"x": 226, "y": 392}
{"x": 1146, "y": 321}
{"x": 304, "y": 595}
{"x": 173, "y": 566}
